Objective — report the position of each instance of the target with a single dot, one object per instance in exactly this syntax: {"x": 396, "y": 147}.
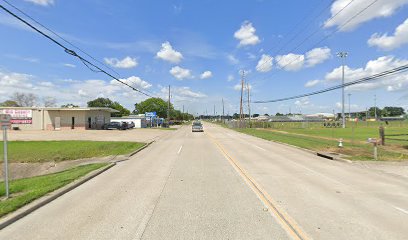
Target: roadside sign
{"x": 5, "y": 120}
{"x": 150, "y": 114}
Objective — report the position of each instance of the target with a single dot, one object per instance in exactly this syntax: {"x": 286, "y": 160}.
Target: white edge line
{"x": 181, "y": 147}
{"x": 400, "y": 209}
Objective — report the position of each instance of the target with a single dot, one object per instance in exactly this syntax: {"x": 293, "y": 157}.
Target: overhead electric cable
{"x": 358, "y": 81}
{"x": 72, "y": 52}
{"x": 58, "y": 35}
{"x": 308, "y": 37}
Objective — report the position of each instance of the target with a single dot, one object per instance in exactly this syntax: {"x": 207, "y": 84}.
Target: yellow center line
{"x": 290, "y": 226}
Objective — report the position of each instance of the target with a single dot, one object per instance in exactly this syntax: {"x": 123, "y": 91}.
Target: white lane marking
{"x": 259, "y": 147}
{"x": 181, "y": 147}
{"x": 400, "y": 209}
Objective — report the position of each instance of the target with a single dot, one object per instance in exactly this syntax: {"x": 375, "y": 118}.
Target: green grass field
{"x": 326, "y": 139}
{"x": 24, "y": 191}
{"x": 43, "y": 151}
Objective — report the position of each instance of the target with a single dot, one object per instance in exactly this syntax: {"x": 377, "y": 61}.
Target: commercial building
{"x": 40, "y": 118}
{"x": 139, "y": 121}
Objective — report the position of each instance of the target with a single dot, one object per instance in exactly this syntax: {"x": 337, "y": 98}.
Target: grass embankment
{"x": 327, "y": 140}
{"x": 43, "y": 151}
{"x": 26, "y": 190}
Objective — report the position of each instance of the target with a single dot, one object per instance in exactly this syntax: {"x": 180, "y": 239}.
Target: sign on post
{"x": 150, "y": 114}
{"x": 5, "y": 122}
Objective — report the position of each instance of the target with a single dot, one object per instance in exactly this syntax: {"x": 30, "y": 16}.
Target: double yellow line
{"x": 290, "y": 226}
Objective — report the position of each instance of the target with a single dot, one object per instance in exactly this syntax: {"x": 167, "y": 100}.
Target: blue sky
{"x": 199, "y": 48}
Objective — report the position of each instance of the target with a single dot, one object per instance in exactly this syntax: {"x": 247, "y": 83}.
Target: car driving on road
{"x": 197, "y": 127}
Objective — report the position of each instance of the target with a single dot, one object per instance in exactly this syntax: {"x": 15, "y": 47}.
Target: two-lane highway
{"x": 221, "y": 184}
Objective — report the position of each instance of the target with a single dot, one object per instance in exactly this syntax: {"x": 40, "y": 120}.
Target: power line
{"x": 361, "y": 80}
{"x": 71, "y": 52}
{"x": 330, "y": 34}
{"x": 58, "y": 35}
{"x": 309, "y": 36}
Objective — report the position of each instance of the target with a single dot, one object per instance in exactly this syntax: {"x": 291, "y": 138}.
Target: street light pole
{"x": 343, "y": 56}
{"x": 349, "y": 104}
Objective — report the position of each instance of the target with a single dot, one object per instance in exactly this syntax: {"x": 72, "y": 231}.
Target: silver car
{"x": 197, "y": 127}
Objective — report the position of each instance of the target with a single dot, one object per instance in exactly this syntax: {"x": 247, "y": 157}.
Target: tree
{"x": 24, "y": 99}
{"x": 392, "y": 111}
{"x": 69, "y": 105}
{"x": 157, "y": 105}
{"x": 49, "y": 102}
{"x": 9, "y": 103}
{"x": 278, "y": 114}
{"x": 371, "y": 112}
{"x": 106, "y": 102}
{"x": 255, "y": 115}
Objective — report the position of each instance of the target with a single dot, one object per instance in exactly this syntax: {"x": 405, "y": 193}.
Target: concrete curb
{"x": 127, "y": 157}
{"x": 36, "y": 204}
{"x": 140, "y": 149}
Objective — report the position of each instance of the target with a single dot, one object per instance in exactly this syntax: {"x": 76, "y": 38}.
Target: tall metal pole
{"x": 349, "y": 104}
{"x": 343, "y": 56}
{"x": 241, "y": 109}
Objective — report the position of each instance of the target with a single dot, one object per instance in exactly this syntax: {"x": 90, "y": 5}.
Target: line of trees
{"x": 160, "y": 106}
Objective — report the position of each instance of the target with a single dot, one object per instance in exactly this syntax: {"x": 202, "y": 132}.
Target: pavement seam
{"x": 285, "y": 220}
{"x": 151, "y": 212}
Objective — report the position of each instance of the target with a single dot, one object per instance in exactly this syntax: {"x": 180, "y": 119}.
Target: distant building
{"x": 45, "y": 118}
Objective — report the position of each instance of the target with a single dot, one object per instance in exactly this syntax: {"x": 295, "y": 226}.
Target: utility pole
{"x": 214, "y": 112}
{"x": 375, "y": 106}
{"x": 241, "y": 109}
{"x": 343, "y": 56}
{"x": 249, "y": 105}
{"x": 182, "y": 116}
{"x": 168, "y": 109}
{"x": 223, "y": 118}
{"x": 349, "y": 104}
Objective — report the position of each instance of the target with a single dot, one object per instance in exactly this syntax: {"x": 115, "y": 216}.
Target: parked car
{"x": 197, "y": 127}
{"x": 115, "y": 125}
{"x": 131, "y": 124}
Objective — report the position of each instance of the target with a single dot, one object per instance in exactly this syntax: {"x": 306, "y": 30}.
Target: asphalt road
{"x": 225, "y": 185}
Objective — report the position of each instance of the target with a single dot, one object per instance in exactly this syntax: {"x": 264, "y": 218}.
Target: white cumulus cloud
{"x": 181, "y": 73}
{"x": 312, "y": 83}
{"x": 265, "y": 63}
{"x": 206, "y": 74}
{"x": 387, "y": 42}
{"x": 291, "y": 61}
{"x": 246, "y": 34}
{"x": 41, "y": 2}
{"x": 127, "y": 62}
{"x": 167, "y": 53}
{"x": 317, "y": 56}
{"x": 133, "y": 81}
{"x": 381, "y": 64}
{"x": 380, "y": 9}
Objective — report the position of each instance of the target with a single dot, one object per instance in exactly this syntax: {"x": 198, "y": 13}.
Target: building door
{"x": 89, "y": 123}
{"x": 73, "y": 123}
{"x": 57, "y": 124}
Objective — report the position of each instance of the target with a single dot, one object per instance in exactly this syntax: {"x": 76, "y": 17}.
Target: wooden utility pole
{"x": 168, "y": 109}
{"x": 249, "y": 105}
{"x": 223, "y": 118}
{"x": 241, "y": 108}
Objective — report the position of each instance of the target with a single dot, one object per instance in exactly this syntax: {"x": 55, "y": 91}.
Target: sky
{"x": 203, "y": 48}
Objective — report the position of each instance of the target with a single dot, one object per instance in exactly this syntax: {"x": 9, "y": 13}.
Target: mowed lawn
{"x": 44, "y": 151}
{"x": 26, "y": 190}
{"x": 323, "y": 140}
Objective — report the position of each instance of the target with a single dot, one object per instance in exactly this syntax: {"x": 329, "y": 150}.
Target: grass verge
{"x": 26, "y": 190}
{"x": 355, "y": 151}
{"x": 44, "y": 151}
